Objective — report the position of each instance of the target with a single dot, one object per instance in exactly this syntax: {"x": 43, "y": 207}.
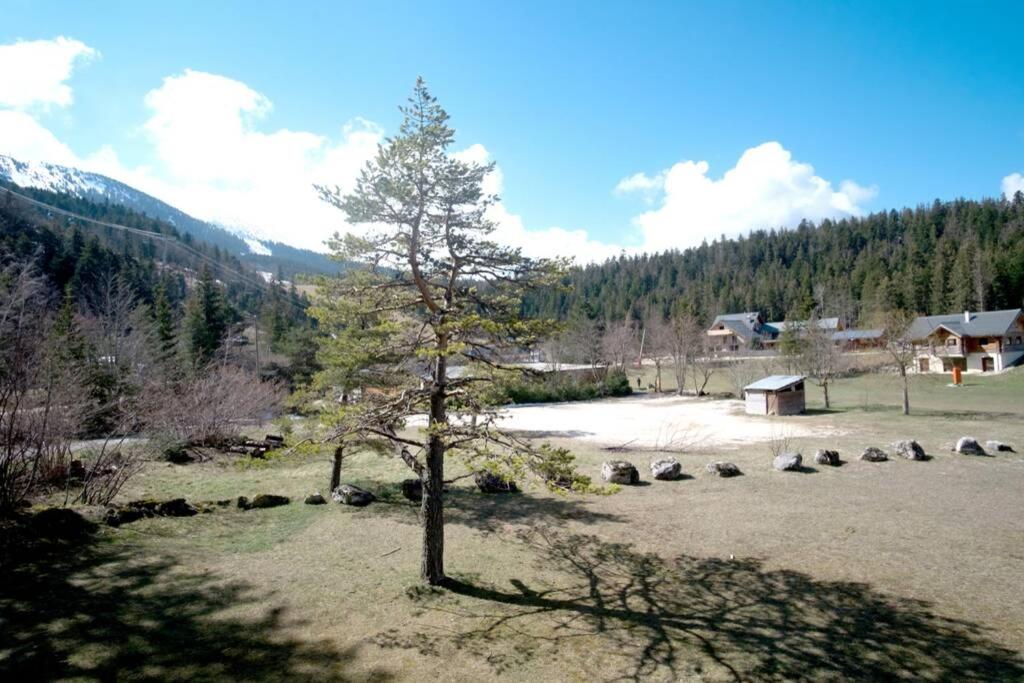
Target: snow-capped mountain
{"x": 96, "y": 187}
{"x": 100, "y": 188}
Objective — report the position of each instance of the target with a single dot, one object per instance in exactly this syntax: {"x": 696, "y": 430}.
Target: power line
{"x": 150, "y": 235}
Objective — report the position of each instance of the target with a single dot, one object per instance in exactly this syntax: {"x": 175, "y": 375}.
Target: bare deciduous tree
{"x": 900, "y": 348}
{"x": 819, "y": 358}
{"x": 685, "y": 343}
{"x": 619, "y": 344}
{"x": 41, "y": 402}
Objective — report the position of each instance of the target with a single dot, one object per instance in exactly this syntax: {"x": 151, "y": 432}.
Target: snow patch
{"x": 257, "y": 247}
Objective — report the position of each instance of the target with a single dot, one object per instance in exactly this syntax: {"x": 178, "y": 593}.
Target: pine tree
{"x": 206, "y": 318}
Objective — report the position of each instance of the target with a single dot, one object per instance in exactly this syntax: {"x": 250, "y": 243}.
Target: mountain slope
{"x": 265, "y": 255}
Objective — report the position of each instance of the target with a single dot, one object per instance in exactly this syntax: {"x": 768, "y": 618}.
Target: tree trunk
{"x": 432, "y": 566}
{"x": 339, "y": 455}
{"x": 906, "y": 396}
{"x": 824, "y": 388}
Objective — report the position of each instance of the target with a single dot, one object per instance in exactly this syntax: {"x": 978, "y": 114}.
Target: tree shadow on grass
{"x": 492, "y": 512}
{"x": 652, "y": 618}
{"x": 90, "y": 611}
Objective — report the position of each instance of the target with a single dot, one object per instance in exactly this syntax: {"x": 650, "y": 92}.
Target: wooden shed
{"x": 776, "y": 395}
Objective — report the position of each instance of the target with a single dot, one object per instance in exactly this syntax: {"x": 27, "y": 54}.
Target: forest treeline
{"x": 950, "y": 256}
{"x": 195, "y": 292}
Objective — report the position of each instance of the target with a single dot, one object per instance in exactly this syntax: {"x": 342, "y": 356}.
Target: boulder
{"x": 347, "y": 494}
{"x": 666, "y": 469}
{"x": 123, "y": 515}
{"x": 315, "y": 499}
{"x": 178, "y": 455}
{"x": 61, "y": 524}
{"x": 176, "y": 507}
{"x": 274, "y": 440}
{"x": 619, "y": 472}
{"x": 243, "y": 503}
{"x": 723, "y": 469}
{"x": 268, "y": 500}
{"x": 872, "y": 454}
{"x": 909, "y": 449}
{"x": 148, "y": 506}
{"x": 969, "y": 446}
{"x": 412, "y": 489}
{"x": 825, "y": 457}
{"x": 997, "y": 446}
{"x": 784, "y": 462}
{"x": 488, "y": 482}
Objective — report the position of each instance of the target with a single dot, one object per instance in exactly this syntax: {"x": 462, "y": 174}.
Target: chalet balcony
{"x": 948, "y": 351}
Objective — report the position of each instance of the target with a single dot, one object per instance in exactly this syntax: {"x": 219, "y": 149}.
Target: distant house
{"x": 853, "y": 340}
{"x": 776, "y": 395}
{"x": 734, "y": 332}
{"x": 989, "y": 341}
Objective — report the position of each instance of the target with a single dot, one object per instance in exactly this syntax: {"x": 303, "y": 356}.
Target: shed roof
{"x": 774, "y": 383}
{"x": 980, "y": 324}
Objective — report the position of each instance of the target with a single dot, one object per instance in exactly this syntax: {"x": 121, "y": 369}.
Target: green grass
{"x": 863, "y": 572}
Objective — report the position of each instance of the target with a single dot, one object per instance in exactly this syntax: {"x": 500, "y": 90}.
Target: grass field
{"x": 868, "y": 571}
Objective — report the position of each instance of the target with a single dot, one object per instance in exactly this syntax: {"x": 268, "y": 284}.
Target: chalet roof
{"x": 744, "y": 325}
{"x": 981, "y": 324}
{"x": 775, "y": 383}
{"x": 823, "y": 323}
{"x": 854, "y": 335}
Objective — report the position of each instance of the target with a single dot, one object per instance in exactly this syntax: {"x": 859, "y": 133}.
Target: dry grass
{"x": 866, "y": 571}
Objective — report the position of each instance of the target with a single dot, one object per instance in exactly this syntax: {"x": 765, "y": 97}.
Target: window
{"x": 951, "y": 341}
{"x": 1017, "y": 340}
{"x": 983, "y": 340}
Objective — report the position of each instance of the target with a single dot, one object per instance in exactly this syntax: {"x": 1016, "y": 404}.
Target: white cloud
{"x": 24, "y": 138}
{"x": 536, "y": 243}
{"x": 1012, "y": 184}
{"x": 35, "y": 72}
{"x": 212, "y": 160}
{"x": 766, "y": 188}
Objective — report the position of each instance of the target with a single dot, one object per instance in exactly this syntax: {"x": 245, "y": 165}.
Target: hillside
{"x": 274, "y": 257}
{"x": 950, "y": 256}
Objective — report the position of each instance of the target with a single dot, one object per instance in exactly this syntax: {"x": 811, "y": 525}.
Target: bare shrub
{"x": 210, "y": 408}
{"x": 780, "y": 441}
{"x": 41, "y": 400}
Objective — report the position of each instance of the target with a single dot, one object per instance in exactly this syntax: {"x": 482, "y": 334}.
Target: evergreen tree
{"x": 206, "y": 318}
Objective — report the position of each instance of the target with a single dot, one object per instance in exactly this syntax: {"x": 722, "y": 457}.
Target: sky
{"x": 634, "y": 126}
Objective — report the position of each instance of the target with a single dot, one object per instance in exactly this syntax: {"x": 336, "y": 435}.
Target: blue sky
{"x": 909, "y": 101}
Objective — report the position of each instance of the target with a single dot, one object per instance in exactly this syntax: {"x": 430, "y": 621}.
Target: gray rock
{"x": 666, "y": 468}
{"x": 488, "y": 482}
{"x": 723, "y": 469}
{"x": 909, "y": 449}
{"x": 347, "y": 494}
{"x": 825, "y": 457}
{"x": 969, "y": 446}
{"x": 787, "y": 462}
{"x": 268, "y": 500}
{"x": 872, "y": 454}
{"x": 997, "y": 446}
{"x": 619, "y": 472}
{"x": 315, "y": 499}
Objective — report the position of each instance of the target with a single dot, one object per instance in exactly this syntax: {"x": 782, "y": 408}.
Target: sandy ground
{"x": 660, "y": 422}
